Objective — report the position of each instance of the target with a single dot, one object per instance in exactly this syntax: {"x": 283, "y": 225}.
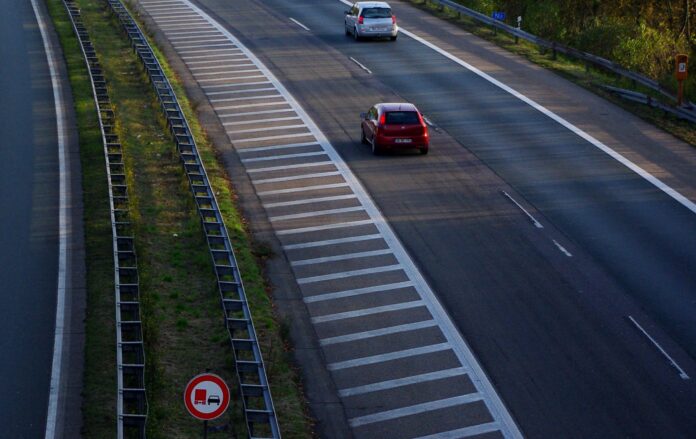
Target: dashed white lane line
{"x": 358, "y": 292}
{"x": 562, "y": 249}
{"x": 682, "y": 373}
{"x": 56, "y": 391}
{"x": 378, "y": 332}
{"x": 381, "y": 358}
{"x": 401, "y": 382}
{"x": 415, "y": 409}
{"x": 360, "y": 65}
{"x": 536, "y": 223}
{"x": 299, "y": 24}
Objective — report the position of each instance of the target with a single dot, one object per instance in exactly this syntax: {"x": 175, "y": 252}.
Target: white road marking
{"x": 315, "y": 213}
{"x": 415, "y": 409}
{"x": 297, "y": 166}
{"x": 350, "y": 273}
{"x": 343, "y": 257}
{"x": 202, "y": 43}
{"x": 562, "y": 249}
{"x": 299, "y": 24}
{"x": 64, "y": 195}
{"x": 360, "y": 65}
{"x": 223, "y": 66}
{"x": 249, "y": 90}
{"x": 536, "y": 223}
{"x": 263, "y": 139}
{"x": 262, "y": 104}
{"x": 474, "y": 430}
{"x": 206, "y": 45}
{"x": 324, "y": 227}
{"x": 219, "y": 57}
{"x": 302, "y": 189}
{"x": 310, "y": 200}
{"x": 240, "y": 84}
{"x": 333, "y": 241}
{"x": 274, "y": 147}
{"x": 274, "y": 119}
{"x": 674, "y": 364}
{"x": 400, "y": 382}
{"x": 194, "y": 34}
{"x": 230, "y": 70}
{"x": 368, "y": 311}
{"x": 263, "y": 129}
{"x": 390, "y": 356}
{"x": 377, "y": 333}
{"x": 296, "y": 177}
{"x": 245, "y": 98}
{"x": 358, "y": 291}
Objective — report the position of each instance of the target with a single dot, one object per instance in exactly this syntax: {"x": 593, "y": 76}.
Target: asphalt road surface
{"x": 549, "y": 311}
{"x": 29, "y": 237}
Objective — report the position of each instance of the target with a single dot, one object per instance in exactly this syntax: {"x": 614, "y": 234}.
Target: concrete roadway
{"x": 29, "y": 235}
{"x": 551, "y": 330}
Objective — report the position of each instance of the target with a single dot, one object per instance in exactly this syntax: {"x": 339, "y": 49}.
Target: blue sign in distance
{"x": 499, "y": 15}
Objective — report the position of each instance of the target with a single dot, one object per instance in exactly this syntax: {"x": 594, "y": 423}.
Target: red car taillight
{"x": 361, "y": 19}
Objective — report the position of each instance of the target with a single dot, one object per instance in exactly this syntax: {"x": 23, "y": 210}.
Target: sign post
{"x": 206, "y": 397}
{"x": 681, "y": 63}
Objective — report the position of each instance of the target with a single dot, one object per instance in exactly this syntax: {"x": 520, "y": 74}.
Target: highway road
{"x": 549, "y": 306}
{"x": 33, "y": 196}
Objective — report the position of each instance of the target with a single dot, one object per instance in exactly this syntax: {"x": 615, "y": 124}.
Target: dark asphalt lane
{"x": 28, "y": 224}
{"x": 551, "y": 331}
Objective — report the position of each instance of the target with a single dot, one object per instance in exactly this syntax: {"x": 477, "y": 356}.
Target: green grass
{"x": 573, "y": 70}
{"x": 183, "y": 321}
{"x": 100, "y": 350}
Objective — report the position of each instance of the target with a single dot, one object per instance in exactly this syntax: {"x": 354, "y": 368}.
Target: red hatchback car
{"x": 394, "y": 127}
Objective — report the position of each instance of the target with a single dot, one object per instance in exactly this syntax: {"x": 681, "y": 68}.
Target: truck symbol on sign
{"x": 199, "y": 396}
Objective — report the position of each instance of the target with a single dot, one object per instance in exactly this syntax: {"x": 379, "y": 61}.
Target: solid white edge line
{"x": 54, "y": 395}
{"x": 459, "y": 346}
{"x": 299, "y": 24}
{"x": 673, "y": 363}
{"x": 681, "y": 199}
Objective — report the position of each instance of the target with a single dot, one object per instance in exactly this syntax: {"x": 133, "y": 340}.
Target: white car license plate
{"x": 403, "y": 140}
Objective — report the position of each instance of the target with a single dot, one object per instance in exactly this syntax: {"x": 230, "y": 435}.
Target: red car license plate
{"x": 403, "y": 140}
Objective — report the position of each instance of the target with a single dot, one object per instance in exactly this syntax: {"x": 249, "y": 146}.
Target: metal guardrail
{"x": 560, "y": 48}
{"x": 131, "y": 404}
{"x": 635, "y": 96}
{"x": 256, "y": 395}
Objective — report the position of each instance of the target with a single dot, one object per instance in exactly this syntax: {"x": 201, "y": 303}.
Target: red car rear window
{"x": 403, "y": 118}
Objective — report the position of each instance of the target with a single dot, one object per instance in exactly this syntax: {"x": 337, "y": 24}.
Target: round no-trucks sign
{"x": 206, "y": 396}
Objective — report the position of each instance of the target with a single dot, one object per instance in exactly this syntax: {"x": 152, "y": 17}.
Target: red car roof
{"x": 397, "y": 106}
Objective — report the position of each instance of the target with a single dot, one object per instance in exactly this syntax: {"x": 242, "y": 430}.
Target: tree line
{"x": 641, "y": 35}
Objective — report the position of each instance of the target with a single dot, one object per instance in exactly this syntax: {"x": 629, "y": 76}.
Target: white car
{"x": 371, "y": 19}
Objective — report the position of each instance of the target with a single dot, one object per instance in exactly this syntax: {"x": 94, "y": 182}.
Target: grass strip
{"x": 183, "y": 325}
{"x": 576, "y": 71}
{"x": 99, "y": 395}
